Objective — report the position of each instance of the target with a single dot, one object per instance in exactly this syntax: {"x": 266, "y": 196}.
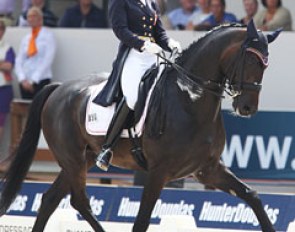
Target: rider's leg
{"x": 135, "y": 66}
{"x": 113, "y": 134}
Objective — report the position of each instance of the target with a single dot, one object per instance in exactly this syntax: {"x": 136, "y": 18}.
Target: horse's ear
{"x": 271, "y": 37}
{"x": 251, "y": 30}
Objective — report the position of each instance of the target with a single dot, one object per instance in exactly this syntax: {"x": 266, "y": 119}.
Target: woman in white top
{"x": 273, "y": 16}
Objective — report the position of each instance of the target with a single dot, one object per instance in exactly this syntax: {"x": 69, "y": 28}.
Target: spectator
{"x": 49, "y": 19}
{"x": 35, "y": 56}
{"x": 84, "y": 14}
{"x": 6, "y": 11}
{"x": 7, "y": 58}
{"x": 273, "y": 17}
{"x": 179, "y": 17}
{"x": 200, "y": 15}
{"x": 251, "y": 7}
{"x": 219, "y": 16}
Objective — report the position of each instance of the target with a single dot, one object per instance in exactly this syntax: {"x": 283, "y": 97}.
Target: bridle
{"x": 233, "y": 89}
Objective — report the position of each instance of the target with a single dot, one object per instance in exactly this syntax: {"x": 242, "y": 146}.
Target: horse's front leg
{"x": 221, "y": 178}
{"x": 151, "y": 192}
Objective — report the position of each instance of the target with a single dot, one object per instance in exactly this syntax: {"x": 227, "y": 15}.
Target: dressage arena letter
{"x": 15, "y": 228}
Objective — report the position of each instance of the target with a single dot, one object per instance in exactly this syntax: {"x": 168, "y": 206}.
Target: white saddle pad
{"x": 98, "y": 117}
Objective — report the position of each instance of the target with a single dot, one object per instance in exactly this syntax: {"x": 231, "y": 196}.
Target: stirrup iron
{"x": 104, "y": 159}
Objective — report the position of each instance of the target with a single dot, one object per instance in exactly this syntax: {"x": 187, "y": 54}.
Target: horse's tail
{"x": 24, "y": 154}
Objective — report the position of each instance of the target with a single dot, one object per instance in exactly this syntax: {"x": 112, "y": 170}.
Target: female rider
{"x": 137, "y": 25}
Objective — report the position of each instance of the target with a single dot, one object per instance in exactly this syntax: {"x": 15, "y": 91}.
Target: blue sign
{"x": 261, "y": 147}
{"x": 210, "y": 209}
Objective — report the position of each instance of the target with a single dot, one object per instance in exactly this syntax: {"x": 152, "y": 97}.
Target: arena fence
{"x": 210, "y": 209}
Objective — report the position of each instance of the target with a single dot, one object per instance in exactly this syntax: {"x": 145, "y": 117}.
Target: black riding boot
{"x": 114, "y": 131}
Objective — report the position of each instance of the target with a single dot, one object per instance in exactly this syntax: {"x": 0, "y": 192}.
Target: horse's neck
{"x": 206, "y": 107}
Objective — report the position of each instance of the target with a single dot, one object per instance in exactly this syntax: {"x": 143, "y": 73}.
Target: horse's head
{"x": 248, "y": 69}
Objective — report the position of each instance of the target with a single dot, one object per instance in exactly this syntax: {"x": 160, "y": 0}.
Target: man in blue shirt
{"x": 179, "y": 17}
{"x": 218, "y": 16}
{"x": 84, "y": 14}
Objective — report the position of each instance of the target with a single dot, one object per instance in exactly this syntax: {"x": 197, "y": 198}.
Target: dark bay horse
{"x": 230, "y": 58}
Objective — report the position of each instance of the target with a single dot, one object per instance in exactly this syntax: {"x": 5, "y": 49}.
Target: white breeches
{"x": 135, "y": 66}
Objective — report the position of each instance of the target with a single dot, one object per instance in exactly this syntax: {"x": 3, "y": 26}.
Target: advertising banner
{"x": 261, "y": 147}
{"x": 209, "y": 208}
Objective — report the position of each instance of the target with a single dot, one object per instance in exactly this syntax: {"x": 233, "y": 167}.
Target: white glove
{"x": 152, "y": 48}
{"x": 173, "y": 44}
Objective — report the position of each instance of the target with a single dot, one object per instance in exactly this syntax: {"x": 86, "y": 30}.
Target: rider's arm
{"x": 119, "y": 20}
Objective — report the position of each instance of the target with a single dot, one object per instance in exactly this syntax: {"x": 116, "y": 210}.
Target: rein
{"x": 195, "y": 81}
{"x": 233, "y": 90}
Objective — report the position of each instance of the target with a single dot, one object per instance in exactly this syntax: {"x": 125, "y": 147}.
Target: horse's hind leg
{"x": 50, "y": 201}
{"x": 80, "y": 201}
{"x": 151, "y": 192}
{"x": 223, "y": 179}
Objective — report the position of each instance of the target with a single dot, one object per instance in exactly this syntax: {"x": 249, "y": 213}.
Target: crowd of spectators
{"x": 203, "y": 15}
{"x": 176, "y": 14}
